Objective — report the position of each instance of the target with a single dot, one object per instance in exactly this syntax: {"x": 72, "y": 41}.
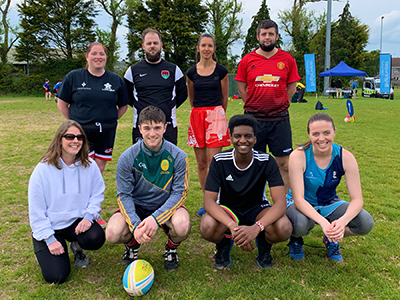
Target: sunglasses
{"x": 71, "y": 137}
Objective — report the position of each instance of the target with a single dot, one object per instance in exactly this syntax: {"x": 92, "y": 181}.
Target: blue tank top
{"x": 320, "y": 184}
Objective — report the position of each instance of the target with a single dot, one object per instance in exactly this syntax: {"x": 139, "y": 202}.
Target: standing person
{"x": 333, "y": 87}
{"x": 266, "y": 81}
{"x": 207, "y": 83}
{"x": 65, "y": 192}
{"x": 241, "y": 175}
{"x": 354, "y": 87}
{"x": 339, "y": 91}
{"x": 315, "y": 169}
{"x": 96, "y": 98}
{"x": 155, "y": 81}
{"x": 152, "y": 184}
{"x": 55, "y": 90}
{"x": 47, "y": 92}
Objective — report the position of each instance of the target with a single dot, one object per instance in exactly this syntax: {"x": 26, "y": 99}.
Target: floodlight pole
{"x": 328, "y": 44}
{"x": 381, "y": 31}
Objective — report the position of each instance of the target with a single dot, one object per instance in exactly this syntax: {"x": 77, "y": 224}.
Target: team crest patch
{"x": 164, "y": 165}
{"x": 165, "y": 74}
{"x": 280, "y": 65}
{"x": 108, "y": 150}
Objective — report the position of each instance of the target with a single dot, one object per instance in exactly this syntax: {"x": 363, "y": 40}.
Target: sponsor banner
{"x": 385, "y": 72}
{"x": 311, "y": 81}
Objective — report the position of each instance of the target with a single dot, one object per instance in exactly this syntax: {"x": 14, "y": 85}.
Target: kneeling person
{"x": 241, "y": 174}
{"x": 152, "y": 184}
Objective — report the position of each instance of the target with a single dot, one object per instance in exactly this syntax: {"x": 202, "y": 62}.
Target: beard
{"x": 153, "y": 58}
{"x": 268, "y": 48}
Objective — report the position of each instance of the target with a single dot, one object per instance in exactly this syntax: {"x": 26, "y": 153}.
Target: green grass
{"x": 371, "y": 264}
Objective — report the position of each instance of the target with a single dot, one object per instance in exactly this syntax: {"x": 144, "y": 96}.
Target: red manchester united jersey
{"x": 266, "y": 80}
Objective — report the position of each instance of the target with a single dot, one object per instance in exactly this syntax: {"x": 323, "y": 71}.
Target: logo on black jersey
{"x": 83, "y": 84}
{"x": 229, "y": 178}
{"x": 83, "y": 87}
{"x": 165, "y": 74}
{"x": 142, "y": 75}
{"x": 108, "y": 87}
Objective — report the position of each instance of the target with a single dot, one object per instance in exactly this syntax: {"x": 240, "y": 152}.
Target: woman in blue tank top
{"x": 315, "y": 170}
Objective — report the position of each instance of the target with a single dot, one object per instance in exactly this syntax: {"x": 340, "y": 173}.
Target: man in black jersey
{"x": 241, "y": 175}
{"x": 155, "y": 81}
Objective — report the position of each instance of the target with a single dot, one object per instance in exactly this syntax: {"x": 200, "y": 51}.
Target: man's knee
{"x": 181, "y": 223}
{"x": 116, "y": 228}
{"x": 280, "y": 231}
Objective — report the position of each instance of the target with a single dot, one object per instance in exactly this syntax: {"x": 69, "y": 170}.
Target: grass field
{"x": 371, "y": 267}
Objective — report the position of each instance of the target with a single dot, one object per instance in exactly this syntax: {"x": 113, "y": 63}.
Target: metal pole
{"x": 328, "y": 44}
{"x": 381, "y": 31}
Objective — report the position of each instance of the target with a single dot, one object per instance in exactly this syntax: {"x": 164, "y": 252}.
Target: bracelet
{"x": 259, "y": 224}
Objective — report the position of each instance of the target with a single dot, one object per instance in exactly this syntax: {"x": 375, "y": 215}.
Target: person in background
{"x": 155, "y": 81}
{"x": 315, "y": 170}
{"x": 354, "y": 87}
{"x": 65, "y": 193}
{"x": 266, "y": 80}
{"x": 55, "y": 90}
{"x": 207, "y": 83}
{"x": 339, "y": 92}
{"x": 47, "y": 92}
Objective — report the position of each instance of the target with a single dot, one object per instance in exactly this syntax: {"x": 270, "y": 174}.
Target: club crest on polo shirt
{"x": 83, "y": 84}
{"x": 165, "y": 74}
{"x": 108, "y": 87}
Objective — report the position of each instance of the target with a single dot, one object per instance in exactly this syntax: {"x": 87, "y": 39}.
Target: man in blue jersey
{"x": 242, "y": 215}
{"x": 152, "y": 184}
{"x": 155, "y": 81}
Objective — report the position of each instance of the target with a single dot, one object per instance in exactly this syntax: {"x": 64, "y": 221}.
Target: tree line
{"x": 52, "y": 35}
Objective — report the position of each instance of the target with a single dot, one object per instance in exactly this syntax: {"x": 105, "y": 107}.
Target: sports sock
{"x": 171, "y": 244}
{"x": 223, "y": 243}
{"x": 132, "y": 242}
{"x": 262, "y": 243}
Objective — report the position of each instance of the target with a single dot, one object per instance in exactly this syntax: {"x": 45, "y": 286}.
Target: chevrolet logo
{"x": 267, "y": 78}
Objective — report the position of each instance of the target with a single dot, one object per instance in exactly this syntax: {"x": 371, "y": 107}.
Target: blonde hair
{"x": 53, "y": 153}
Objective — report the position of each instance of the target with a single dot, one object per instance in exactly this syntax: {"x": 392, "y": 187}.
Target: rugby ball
{"x": 138, "y": 278}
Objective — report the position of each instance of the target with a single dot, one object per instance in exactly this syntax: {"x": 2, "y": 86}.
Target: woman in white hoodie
{"x": 65, "y": 193}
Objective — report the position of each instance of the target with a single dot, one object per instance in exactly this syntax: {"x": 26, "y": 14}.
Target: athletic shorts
{"x": 144, "y": 213}
{"x": 208, "y": 127}
{"x": 247, "y": 217}
{"x": 171, "y": 134}
{"x": 277, "y": 135}
{"x": 101, "y": 137}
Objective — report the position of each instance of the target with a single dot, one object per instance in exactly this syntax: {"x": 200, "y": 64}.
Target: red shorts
{"x": 208, "y": 127}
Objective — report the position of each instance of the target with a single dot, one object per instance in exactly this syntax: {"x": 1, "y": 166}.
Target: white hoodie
{"x": 58, "y": 197}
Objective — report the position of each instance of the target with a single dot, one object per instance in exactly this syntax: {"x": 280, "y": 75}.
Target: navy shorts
{"x": 277, "y": 135}
{"x": 101, "y": 137}
{"x": 249, "y": 216}
{"x": 171, "y": 134}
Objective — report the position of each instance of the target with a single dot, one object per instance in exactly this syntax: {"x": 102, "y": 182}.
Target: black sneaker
{"x": 264, "y": 258}
{"x": 171, "y": 258}
{"x": 223, "y": 254}
{"x": 81, "y": 259}
{"x": 131, "y": 254}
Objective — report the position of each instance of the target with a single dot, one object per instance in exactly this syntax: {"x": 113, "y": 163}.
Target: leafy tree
{"x": 225, "y": 25}
{"x": 371, "y": 63}
{"x": 106, "y": 38}
{"x": 251, "y": 38}
{"x": 349, "y": 38}
{"x": 6, "y": 42}
{"x": 180, "y": 23}
{"x": 116, "y": 9}
{"x": 55, "y": 28}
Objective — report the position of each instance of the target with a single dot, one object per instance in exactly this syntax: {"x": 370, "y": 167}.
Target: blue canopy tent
{"x": 342, "y": 70}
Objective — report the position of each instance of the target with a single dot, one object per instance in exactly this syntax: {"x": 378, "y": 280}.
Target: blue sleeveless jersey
{"x": 320, "y": 184}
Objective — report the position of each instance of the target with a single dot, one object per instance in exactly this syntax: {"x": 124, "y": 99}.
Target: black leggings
{"x": 56, "y": 268}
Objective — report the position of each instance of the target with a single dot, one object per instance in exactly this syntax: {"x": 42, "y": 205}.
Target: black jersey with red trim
{"x": 162, "y": 85}
{"x": 242, "y": 189}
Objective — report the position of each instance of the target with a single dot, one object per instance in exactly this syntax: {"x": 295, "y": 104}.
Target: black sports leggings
{"x": 56, "y": 268}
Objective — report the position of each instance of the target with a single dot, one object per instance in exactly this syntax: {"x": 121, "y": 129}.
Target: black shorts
{"x": 101, "y": 137}
{"x": 171, "y": 134}
{"x": 248, "y": 217}
{"x": 277, "y": 135}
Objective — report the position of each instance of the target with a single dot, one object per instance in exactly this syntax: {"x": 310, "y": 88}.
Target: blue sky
{"x": 368, "y": 11}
